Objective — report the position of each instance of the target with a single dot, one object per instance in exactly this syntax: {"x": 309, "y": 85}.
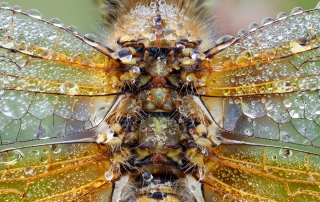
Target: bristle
{"x": 187, "y": 18}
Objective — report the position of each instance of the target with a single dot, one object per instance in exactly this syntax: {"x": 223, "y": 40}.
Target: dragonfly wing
{"x": 38, "y": 56}
{"x": 29, "y": 116}
{"x": 55, "y": 172}
{"x": 265, "y": 84}
{"x": 253, "y": 172}
{"x": 54, "y": 83}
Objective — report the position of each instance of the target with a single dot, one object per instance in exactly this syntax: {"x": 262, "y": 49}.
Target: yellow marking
{"x": 309, "y": 192}
{"x": 235, "y": 164}
{"x": 69, "y": 167}
{"x": 6, "y": 191}
{"x": 25, "y": 191}
{"x": 79, "y": 188}
{"x": 234, "y": 189}
{"x": 288, "y": 191}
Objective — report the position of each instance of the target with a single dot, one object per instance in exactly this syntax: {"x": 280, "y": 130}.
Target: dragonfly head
{"x": 162, "y": 24}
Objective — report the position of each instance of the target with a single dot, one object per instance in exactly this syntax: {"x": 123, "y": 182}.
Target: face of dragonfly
{"x": 161, "y": 117}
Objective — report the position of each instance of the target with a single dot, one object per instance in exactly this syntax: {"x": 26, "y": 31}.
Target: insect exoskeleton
{"x": 159, "y": 127}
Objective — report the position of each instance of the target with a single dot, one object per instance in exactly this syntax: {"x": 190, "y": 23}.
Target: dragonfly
{"x": 163, "y": 112}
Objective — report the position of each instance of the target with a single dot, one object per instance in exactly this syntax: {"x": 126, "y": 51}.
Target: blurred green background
{"x": 231, "y": 15}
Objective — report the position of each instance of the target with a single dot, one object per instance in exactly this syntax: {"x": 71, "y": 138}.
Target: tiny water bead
{"x": 147, "y": 176}
{"x": 69, "y": 88}
{"x": 285, "y": 153}
{"x": 16, "y": 8}
{"x": 108, "y": 175}
{"x": 4, "y": 5}
{"x": 34, "y": 13}
{"x": 56, "y": 22}
{"x": 91, "y": 37}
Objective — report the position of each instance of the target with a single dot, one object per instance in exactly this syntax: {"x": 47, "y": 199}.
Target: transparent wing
{"x": 261, "y": 173}
{"x": 56, "y": 173}
{"x": 26, "y": 116}
{"x": 38, "y": 56}
{"x": 266, "y": 83}
{"x": 48, "y": 76}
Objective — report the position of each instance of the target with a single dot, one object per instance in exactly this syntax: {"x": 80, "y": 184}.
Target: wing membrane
{"x": 29, "y": 116}
{"x": 43, "y": 70}
{"x": 267, "y": 81}
{"x": 281, "y": 56}
{"x": 55, "y": 172}
{"x": 40, "y": 57}
{"x": 247, "y": 172}
{"x": 288, "y": 117}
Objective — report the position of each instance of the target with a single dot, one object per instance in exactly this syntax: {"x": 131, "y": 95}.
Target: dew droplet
{"x": 55, "y": 149}
{"x": 57, "y": 22}
{"x": 91, "y": 37}
{"x": 108, "y": 175}
{"x": 285, "y": 153}
{"x": 34, "y": 13}
{"x": 241, "y": 33}
{"x": 296, "y": 10}
{"x": 153, "y": 5}
{"x": 28, "y": 170}
{"x": 162, "y": 2}
{"x": 16, "y": 8}
{"x": 99, "y": 115}
{"x": 302, "y": 40}
{"x": 4, "y": 5}
{"x": 69, "y": 88}
{"x": 135, "y": 71}
{"x": 282, "y": 15}
{"x": 224, "y": 39}
{"x": 147, "y": 176}
{"x": 253, "y": 26}
{"x": 72, "y": 29}
{"x": 267, "y": 21}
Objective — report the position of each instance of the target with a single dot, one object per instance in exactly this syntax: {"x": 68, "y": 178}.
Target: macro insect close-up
{"x": 158, "y": 107}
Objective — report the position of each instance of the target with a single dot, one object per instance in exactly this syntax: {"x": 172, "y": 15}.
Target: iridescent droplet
{"x": 57, "y": 22}
{"x": 34, "y": 13}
